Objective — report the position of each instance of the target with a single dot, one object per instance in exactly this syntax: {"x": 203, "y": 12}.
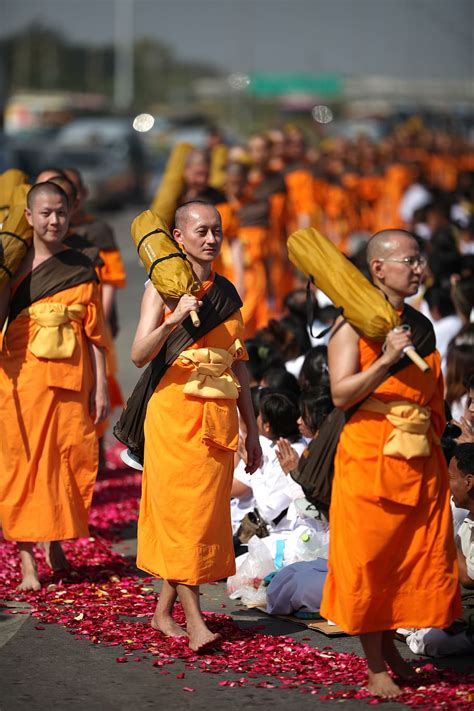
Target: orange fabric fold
{"x": 48, "y": 449}
{"x": 184, "y": 528}
{"x": 392, "y": 557}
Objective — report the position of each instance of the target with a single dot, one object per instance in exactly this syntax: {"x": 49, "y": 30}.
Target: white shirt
{"x": 465, "y": 541}
{"x": 273, "y": 490}
{"x": 445, "y": 330}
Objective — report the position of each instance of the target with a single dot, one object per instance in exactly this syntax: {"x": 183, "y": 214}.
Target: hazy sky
{"x": 400, "y": 38}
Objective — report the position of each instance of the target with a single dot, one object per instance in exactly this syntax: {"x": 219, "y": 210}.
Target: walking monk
{"x": 392, "y": 559}
{"x": 52, "y": 387}
{"x": 191, "y": 434}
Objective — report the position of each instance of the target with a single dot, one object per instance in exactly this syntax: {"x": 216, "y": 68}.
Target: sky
{"x": 423, "y": 39}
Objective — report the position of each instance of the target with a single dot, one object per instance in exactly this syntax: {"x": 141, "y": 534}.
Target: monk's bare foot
{"x": 201, "y": 638}
{"x": 167, "y": 626}
{"x": 55, "y": 557}
{"x": 30, "y": 580}
{"x": 398, "y": 665}
{"x": 381, "y": 684}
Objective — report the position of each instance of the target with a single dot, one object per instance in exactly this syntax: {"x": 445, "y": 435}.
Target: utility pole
{"x": 124, "y": 35}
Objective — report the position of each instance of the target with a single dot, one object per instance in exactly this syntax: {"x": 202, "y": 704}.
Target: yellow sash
{"x": 411, "y": 422}
{"x": 55, "y": 338}
{"x": 212, "y": 376}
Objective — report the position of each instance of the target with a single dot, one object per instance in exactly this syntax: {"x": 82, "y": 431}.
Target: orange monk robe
{"x": 111, "y": 271}
{"x": 300, "y": 187}
{"x": 338, "y": 217}
{"x": 391, "y": 564}
{"x": 397, "y": 178}
{"x": 256, "y": 310}
{"x": 48, "y": 447}
{"x": 443, "y": 170}
{"x": 466, "y": 161}
{"x": 224, "y": 263}
{"x": 281, "y": 270}
{"x": 369, "y": 190}
{"x": 254, "y": 234}
{"x": 184, "y": 528}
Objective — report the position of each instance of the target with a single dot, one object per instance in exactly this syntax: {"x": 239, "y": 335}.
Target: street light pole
{"x": 124, "y": 89}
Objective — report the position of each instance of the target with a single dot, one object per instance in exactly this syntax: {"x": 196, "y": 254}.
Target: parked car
{"x": 109, "y": 154}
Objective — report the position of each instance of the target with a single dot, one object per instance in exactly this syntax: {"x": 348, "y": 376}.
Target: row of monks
{"x": 276, "y": 183}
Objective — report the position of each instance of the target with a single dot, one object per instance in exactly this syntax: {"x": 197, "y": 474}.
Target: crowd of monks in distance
{"x": 278, "y": 181}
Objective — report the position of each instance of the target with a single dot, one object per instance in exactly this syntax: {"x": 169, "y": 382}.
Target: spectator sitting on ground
{"x": 459, "y": 638}
{"x": 315, "y": 406}
{"x": 442, "y": 314}
{"x": 262, "y": 356}
{"x": 314, "y": 371}
{"x": 466, "y": 422}
{"x": 459, "y": 366}
{"x": 280, "y": 380}
{"x": 273, "y": 490}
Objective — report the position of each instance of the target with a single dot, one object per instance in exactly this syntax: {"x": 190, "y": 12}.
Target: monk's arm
{"x": 463, "y": 574}
{"x": 348, "y": 383}
{"x": 244, "y": 403}
{"x": 108, "y": 291}
{"x": 100, "y": 405}
{"x": 152, "y": 330}
{"x": 5, "y": 295}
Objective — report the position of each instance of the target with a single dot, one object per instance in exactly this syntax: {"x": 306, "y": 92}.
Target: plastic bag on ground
{"x": 257, "y": 564}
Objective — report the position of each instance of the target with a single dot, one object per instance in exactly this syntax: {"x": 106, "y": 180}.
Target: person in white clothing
{"x": 273, "y": 490}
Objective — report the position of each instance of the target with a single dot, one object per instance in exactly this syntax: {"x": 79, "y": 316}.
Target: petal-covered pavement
{"x": 106, "y": 601}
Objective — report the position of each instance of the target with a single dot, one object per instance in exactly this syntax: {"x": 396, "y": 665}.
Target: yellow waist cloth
{"x": 55, "y": 338}
{"x": 411, "y": 422}
{"x": 212, "y": 376}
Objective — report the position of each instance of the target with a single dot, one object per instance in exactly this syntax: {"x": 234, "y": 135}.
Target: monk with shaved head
{"x": 392, "y": 560}
{"x": 191, "y": 430}
{"x": 52, "y": 388}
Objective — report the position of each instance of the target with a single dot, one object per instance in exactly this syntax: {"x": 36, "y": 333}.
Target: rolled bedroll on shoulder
{"x": 163, "y": 258}
{"x": 363, "y": 305}
{"x": 16, "y": 237}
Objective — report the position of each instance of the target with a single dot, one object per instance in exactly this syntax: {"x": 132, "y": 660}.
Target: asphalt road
{"x": 53, "y": 671}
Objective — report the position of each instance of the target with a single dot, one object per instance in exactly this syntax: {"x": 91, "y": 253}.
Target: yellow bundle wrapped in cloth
{"x": 9, "y": 180}
{"x": 163, "y": 258}
{"x": 217, "y": 176}
{"x": 15, "y": 239}
{"x": 166, "y": 199}
{"x": 364, "y": 306}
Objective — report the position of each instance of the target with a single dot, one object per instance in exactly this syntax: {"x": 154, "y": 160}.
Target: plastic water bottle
{"x": 308, "y": 546}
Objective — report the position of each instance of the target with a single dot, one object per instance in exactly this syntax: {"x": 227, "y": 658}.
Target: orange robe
{"x": 48, "y": 447}
{"x": 111, "y": 271}
{"x": 391, "y": 564}
{"x": 230, "y": 230}
{"x": 184, "y": 528}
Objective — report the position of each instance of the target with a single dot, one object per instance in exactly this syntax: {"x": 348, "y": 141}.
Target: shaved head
{"x": 182, "y": 213}
{"x": 67, "y": 185}
{"x": 46, "y": 188}
{"x": 196, "y": 157}
{"x": 384, "y": 243}
{"x": 48, "y": 173}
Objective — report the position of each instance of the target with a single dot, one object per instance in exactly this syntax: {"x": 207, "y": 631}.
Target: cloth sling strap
{"x": 218, "y": 304}
{"x": 315, "y": 470}
{"x": 58, "y": 273}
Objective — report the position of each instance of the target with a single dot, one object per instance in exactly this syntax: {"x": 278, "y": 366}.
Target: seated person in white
{"x": 274, "y": 492}
{"x": 459, "y": 638}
